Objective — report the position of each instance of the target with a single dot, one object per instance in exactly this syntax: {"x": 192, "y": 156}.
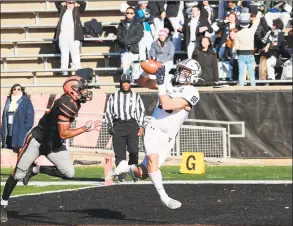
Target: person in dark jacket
{"x": 69, "y": 32}
{"x": 129, "y": 34}
{"x": 224, "y": 27}
{"x": 194, "y": 28}
{"x": 207, "y": 59}
{"x": 206, "y": 10}
{"x": 274, "y": 41}
{"x": 17, "y": 118}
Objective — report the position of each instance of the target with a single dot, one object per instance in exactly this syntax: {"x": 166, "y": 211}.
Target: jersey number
{"x": 193, "y": 100}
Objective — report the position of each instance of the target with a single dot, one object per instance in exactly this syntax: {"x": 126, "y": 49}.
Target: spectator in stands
{"x": 158, "y": 13}
{"x": 17, "y": 118}
{"x": 174, "y": 12}
{"x": 163, "y": 50}
{"x": 244, "y": 44}
{"x": 207, "y": 59}
{"x": 69, "y": 32}
{"x": 229, "y": 62}
{"x": 274, "y": 41}
{"x": 143, "y": 15}
{"x": 125, "y": 114}
{"x": 129, "y": 34}
{"x": 206, "y": 10}
{"x": 194, "y": 28}
{"x": 233, "y": 7}
{"x": 188, "y": 7}
{"x": 282, "y": 10}
{"x": 224, "y": 27}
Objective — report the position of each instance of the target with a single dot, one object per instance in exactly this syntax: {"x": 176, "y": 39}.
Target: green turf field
{"x": 172, "y": 173}
{"x": 169, "y": 173}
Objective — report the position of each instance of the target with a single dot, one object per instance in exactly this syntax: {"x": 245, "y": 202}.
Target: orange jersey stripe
{"x": 22, "y": 151}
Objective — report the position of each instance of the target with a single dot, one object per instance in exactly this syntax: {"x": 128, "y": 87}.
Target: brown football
{"x": 150, "y": 66}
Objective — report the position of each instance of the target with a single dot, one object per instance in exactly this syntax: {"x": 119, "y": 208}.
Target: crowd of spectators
{"x": 228, "y": 42}
{"x": 240, "y": 35}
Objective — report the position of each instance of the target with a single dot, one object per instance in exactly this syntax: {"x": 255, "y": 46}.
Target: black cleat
{"x": 29, "y": 174}
{"x": 4, "y": 217}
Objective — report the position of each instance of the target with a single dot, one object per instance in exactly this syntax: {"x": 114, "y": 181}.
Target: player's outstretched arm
{"x": 145, "y": 81}
{"x": 65, "y": 132}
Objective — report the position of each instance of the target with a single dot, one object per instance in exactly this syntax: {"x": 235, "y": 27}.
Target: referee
{"x": 125, "y": 117}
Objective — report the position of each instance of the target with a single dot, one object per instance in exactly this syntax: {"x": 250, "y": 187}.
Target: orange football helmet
{"x": 76, "y": 88}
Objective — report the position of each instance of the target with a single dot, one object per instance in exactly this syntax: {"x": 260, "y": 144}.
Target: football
{"x": 150, "y": 66}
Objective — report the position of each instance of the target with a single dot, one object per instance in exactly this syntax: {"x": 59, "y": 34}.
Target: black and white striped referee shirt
{"x": 125, "y": 106}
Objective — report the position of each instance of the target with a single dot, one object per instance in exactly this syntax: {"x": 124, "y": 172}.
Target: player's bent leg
{"x": 28, "y": 153}
{"x": 63, "y": 165}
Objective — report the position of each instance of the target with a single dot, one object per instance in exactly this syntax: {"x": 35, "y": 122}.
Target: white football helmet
{"x": 195, "y": 71}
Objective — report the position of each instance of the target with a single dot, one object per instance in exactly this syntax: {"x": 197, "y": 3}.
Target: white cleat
{"x": 172, "y": 203}
{"x": 121, "y": 168}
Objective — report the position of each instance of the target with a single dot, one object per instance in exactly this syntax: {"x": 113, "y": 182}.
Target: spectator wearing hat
{"x": 144, "y": 16}
{"x": 244, "y": 44}
{"x": 125, "y": 114}
{"x": 69, "y": 32}
{"x": 17, "y": 118}
{"x": 163, "y": 50}
{"x": 129, "y": 34}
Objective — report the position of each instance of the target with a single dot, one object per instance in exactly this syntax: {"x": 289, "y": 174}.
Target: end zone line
{"x": 101, "y": 184}
{"x": 91, "y": 183}
{"x": 95, "y": 183}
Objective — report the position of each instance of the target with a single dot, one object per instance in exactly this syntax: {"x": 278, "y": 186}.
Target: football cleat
{"x": 171, "y": 203}
{"x": 29, "y": 174}
{"x": 4, "y": 217}
{"x": 121, "y": 168}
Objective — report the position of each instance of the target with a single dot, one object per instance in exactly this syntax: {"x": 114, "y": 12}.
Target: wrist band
{"x": 162, "y": 90}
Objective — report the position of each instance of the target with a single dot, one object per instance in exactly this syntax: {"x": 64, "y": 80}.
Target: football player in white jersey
{"x": 176, "y": 98}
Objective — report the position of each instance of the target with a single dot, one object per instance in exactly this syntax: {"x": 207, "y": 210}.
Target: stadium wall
{"x": 267, "y": 116}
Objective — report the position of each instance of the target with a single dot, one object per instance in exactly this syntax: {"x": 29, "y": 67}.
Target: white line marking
{"x": 50, "y": 192}
{"x": 94, "y": 183}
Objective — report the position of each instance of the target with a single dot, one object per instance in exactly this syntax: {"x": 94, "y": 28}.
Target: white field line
{"x": 50, "y": 192}
{"x": 93, "y": 183}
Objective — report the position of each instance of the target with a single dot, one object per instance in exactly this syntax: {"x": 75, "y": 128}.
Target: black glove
{"x": 160, "y": 74}
{"x": 111, "y": 130}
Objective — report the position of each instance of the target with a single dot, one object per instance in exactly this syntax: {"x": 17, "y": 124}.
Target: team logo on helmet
{"x": 191, "y": 73}
{"x": 76, "y": 88}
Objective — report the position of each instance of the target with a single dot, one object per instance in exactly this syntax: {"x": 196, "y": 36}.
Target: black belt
{"x": 124, "y": 121}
